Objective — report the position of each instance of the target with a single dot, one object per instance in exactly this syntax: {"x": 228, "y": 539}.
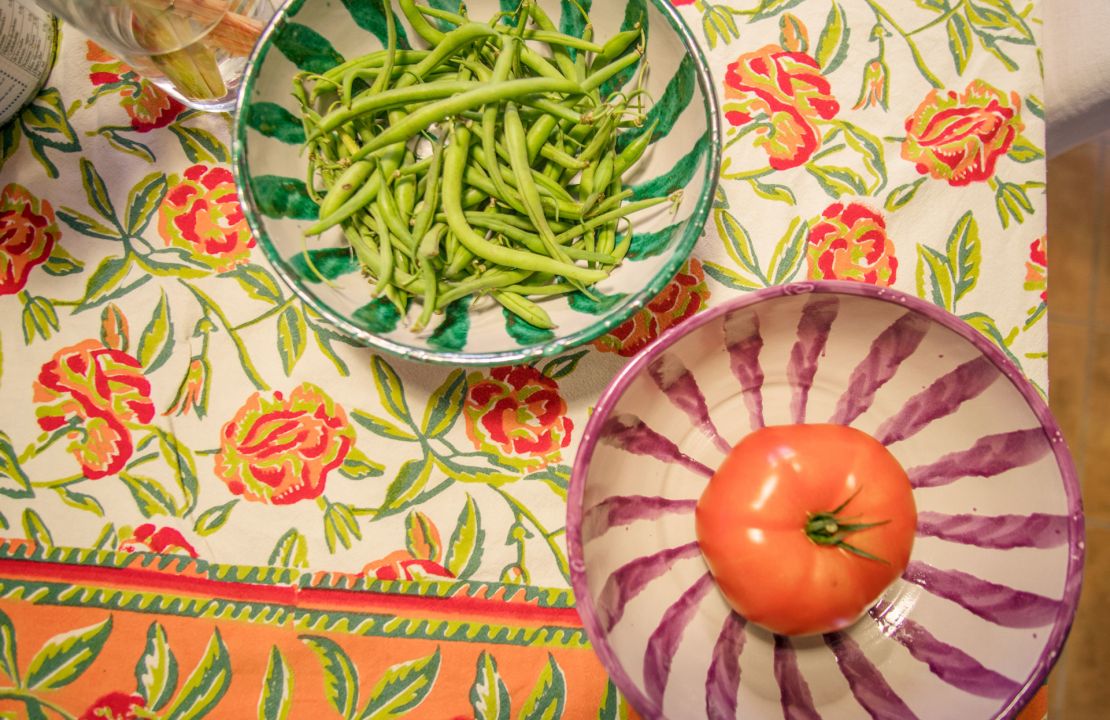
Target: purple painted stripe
{"x": 797, "y": 703}
{"x": 868, "y": 684}
{"x": 999, "y": 604}
{"x": 1001, "y": 532}
{"x": 888, "y": 351}
{"x": 629, "y": 433}
{"x": 664, "y": 641}
{"x": 626, "y": 509}
{"x": 630, "y": 579}
{"x": 940, "y": 399}
{"x": 681, "y": 388}
{"x": 722, "y": 682}
{"x": 948, "y": 663}
{"x": 989, "y": 456}
{"x": 813, "y": 333}
{"x": 743, "y": 341}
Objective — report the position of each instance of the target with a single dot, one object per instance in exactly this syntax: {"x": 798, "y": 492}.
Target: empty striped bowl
{"x": 978, "y": 618}
{"x": 270, "y": 170}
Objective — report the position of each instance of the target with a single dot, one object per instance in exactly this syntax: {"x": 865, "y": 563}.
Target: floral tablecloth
{"x": 210, "y": 503}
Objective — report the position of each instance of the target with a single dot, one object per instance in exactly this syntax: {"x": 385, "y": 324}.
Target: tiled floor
{"x": 1079, "y": 391}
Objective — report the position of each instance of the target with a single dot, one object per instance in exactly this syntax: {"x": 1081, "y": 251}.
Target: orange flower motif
{"x": 201, "y": 214}
{"x": 849, "y": 242}
{"x": 518, "y": 413}
{"x": 784, "y": 93}
{"x": 402, "y": 565}
{"x": 28, "y": 232}
{"x": 958, "y": 137}
{"x": 875, "y": 89}
{"x": 148, "y": 107}
{"x": 193, "y": 391}
{"x": 97, "y": 394}
{"x": 1036, "y": 267}
{"x": 278, "y": 451}
{"x": 685, "y": 295}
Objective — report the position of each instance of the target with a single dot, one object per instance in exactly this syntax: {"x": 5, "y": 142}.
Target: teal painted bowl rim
{"x": 682, "y": 249}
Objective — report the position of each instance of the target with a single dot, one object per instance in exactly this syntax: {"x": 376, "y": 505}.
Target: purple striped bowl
{"x": 977, "y": 620}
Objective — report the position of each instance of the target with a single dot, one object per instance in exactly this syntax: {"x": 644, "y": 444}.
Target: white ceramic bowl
{"x": 270, "y": 171}
{"x": 973, "y": 626}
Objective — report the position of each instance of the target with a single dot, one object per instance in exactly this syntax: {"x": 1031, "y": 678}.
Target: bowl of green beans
{"x": 479, "y": 182}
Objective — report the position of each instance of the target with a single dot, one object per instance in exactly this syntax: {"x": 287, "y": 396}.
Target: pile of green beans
{"x": 486, "y": 164}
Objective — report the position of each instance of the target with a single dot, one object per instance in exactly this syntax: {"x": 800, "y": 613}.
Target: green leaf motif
{"x": 35, "y": 530}
{"x": 276, "y": 699}
{"x": 789, "y": 253}
{"x": 8, "y": 649}
{"x": 156, "y": 341}
{"x": 257, "y": 282}
{"x": 156, "y": 670}
{"x": 611, "y": 704}
{"x": 306, "y": 48}
{"x": 150, "y": 497}
{"x": 934, "y": 277}
{"x": 213, "y": 518}
{"x": 771, "y": 191}
{"x": 199, "y": 145}
{"x": 832, "y": 45}
{"x": 381, "y": 427}
{"x": 108, "y": 276}
{"x": 1024, "y": 151}
{"x": 291, "y": 550}
{"x": 837, "y": 181}
{"x": 292, "y": 336}
{"x": 96, "y": 192}
{"x": 559, "y": 367}
{"x": 206, "y": 685}
{"x": 274, "y": 121}
{"x": 403, "y": 687}
{"x": 444, "y": 405}
{"x": 391, "y": 390}
{"x": 65, "y": 656}
{"x": 770, "y": 8}
{"x": 143, "y": 201}
{"x": 40, "y": 318}
{"x": 179, "y": 458}
{"x": 464, "y": 472}
{"x": 729, "y": 278}
{"x": 549, "y": 694}
{"x": 46, "y": 124}
{"x": 489, "y": 698}
{"x": 465, "y": 548}
{"x": 61, "y": 263}
{"x": 986, "y": 325}
{"x": 340, "y": 674}
{"x": 340, "y": 526}
{"x": 959, "y": 41}
{"x": 14, "y": 483}
{"x": 356, "y": 466}
{"x": 737, "y": 242}
{"x": 81, "y": 501}
{"x": 410, "y": 480}
{"x": 964, "y": 251}
{"x": 86, "y": 225}
{"x": 902, "y": 195}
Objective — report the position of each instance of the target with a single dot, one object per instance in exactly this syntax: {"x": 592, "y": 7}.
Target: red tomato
{"x": 804, "y": 526}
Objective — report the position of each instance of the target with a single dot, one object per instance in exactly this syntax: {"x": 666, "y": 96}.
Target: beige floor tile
{"x": 1073, "y": 216}
{"x": 1084, "y": 692}
{"x": 1067, "y": 382}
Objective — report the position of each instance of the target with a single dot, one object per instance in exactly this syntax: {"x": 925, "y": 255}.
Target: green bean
{"x": 392, "y": 98}
{"x": 561, "y": 158}
{"x": 552, "y": 190}
{"x": 353, "y": 177}
{"x": 371, "y": 60}
{"x": 423, "y": 218}
{"x": 501, "y": 69}
{"x": 523, "y": 308}
{"x": 615, "y": 46}
{"x": 442, "y": 109}
{"x": 429, "y": 248}
{"x": 518, "y": 157}
{"x": 634, "y": 150}
{"x": 454, "y": 166}
{"x": 423, "y": 28}
{"x": 387, "y": 205}
{"x": 385, "y": 251}
{"x": 596, "y": 78}
{"x": 477, "y": 283}
{"x": 356, "y": 202}
{"x": 599, "y": 220}
{"x": 449, "y": 44}
{"x": 537, "y": 289}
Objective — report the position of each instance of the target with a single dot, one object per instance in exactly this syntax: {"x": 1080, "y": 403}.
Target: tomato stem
{"x": 829, "y": 528}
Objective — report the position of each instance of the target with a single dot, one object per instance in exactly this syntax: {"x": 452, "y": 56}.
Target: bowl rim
{"x": 695, "y": 225}
{"x": 1054, "y": 641}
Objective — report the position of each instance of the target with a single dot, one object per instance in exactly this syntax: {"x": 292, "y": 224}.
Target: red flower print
{"x": 517, "y": 412}
{"x": 201, "y": 214}
{"x": 402, "y": 565}
{"x": 148, "y": 107}
{"x": 278, "y": 451}
{"x": 849, "y": 242}
{"x": 28, "y": 232}
{"x": 148, "y": 538}
{"x": 784, "y": 94}
{"x": 1036, "y": 267}
{"x": 685, "y": 295}
{"x": 97, "y": 394}
{"x": 958, "y": 137}
{"x": 115, "y": 706}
